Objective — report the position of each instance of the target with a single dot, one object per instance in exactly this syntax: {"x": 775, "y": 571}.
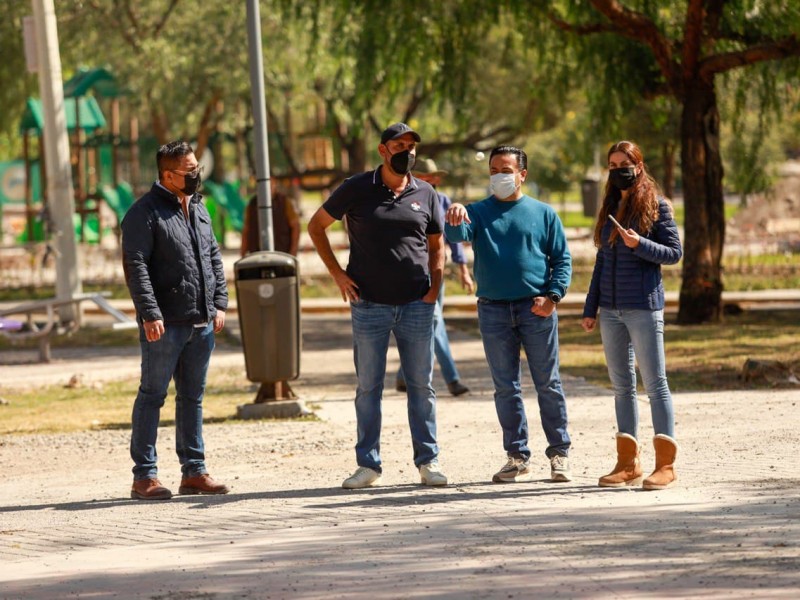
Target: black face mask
{"x": 191, "y": 184}
{"x": 403, "y": 162}
{"x": 622, "y": 178}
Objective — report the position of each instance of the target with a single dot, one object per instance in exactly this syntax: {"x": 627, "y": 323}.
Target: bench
{"x": 54, "y": 325}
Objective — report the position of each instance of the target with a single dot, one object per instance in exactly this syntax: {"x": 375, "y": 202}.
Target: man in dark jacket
{"x": 173, "y": 269}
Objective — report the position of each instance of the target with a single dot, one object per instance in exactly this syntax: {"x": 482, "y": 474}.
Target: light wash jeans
{"x": 441, "y": 344}
{"x": 505, "y": 328}
{"x": 412, "y": 326}
{"x": 183, "y": 352}
{"x": 631, "y": 336}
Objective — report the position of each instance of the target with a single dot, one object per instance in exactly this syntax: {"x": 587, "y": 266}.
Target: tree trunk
{"x": 356, "y": 154}
{"x": 704, "y": 223}
{"x": 668, "y": 159}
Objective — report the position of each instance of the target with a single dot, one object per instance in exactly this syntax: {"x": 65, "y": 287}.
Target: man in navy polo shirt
{"x": 392, "y": 281}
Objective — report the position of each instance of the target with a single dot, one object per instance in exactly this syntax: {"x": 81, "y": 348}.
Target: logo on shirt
{"x": 415, "y": 206}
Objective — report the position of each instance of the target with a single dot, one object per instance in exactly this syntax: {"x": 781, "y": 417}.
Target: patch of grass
{"x": 573, "y": 218}
{"x": 103, "y": 337}
{"x": 699, "y": 357}
{"x": 29, "y": 293}
{"x": 56, "y": 409}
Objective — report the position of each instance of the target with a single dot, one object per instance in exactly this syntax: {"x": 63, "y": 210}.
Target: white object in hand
{"x": 615, "y": 222}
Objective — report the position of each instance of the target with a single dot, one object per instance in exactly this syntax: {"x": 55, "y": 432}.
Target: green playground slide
{"x": 119, "y": 199}
{"x": 226, "y": 196}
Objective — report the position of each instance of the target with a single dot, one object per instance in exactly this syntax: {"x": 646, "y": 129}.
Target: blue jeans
{"x": 183, "y": 352}
{"x": 631, "y": 336}
{"x": 412, "y": 326}
{"x": 505, "y": 328}
{"x": 441, "y": 344}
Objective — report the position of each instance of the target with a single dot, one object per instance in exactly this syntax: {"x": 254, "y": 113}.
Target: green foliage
{"x": 18, "y": 84}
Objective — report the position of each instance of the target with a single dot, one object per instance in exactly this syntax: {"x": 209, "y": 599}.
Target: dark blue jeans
{"x": 412, "y": 326}
{"x": 441, "y": 344}
{"x": 506, "y": 327}
{"x": 182, "y": 353}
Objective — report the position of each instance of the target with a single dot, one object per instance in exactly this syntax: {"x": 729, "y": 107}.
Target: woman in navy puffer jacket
{"x": 635, "y": 234}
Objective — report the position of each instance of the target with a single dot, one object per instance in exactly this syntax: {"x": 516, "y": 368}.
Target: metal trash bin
{"x": 268, "y": 299}
{"x": 590, "y": 194}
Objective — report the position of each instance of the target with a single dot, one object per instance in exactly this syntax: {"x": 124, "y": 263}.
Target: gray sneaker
{"x": 363, "y": 477}
{"x": 559, "y": 468}
{"x": 430, "y": 474}
{"x": 516, "y": 469}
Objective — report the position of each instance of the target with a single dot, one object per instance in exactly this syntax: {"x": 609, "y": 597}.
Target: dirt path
{"x": 287, "y": 530}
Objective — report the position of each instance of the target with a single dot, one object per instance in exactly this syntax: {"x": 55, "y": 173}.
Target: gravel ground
{"x": 729, "y": 529}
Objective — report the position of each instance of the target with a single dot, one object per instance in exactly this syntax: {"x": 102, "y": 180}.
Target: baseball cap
{"x": 392, "y": 132}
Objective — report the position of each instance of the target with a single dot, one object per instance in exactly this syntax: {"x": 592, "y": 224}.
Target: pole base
{"x": 280, "y": 409}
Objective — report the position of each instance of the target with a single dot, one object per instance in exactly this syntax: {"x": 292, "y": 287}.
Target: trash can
{"x": 590, "y": 194}
{"x": 268, "y": 298}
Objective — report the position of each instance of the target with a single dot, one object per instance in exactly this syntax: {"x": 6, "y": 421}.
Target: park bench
{"x": 45, "y": 330}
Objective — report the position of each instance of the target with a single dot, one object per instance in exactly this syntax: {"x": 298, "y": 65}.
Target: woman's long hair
{"x": 640, "y": 208}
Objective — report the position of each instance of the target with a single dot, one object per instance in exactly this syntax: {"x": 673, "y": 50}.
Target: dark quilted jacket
{"x": 170, "y": 276}
{"x": 626, "y": 278}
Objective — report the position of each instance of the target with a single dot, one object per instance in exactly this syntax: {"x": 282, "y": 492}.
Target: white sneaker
{"x": 363, "y": 477}
{"x": 431, "y": 475}
{"x": 516, "y": 469}
{"x": 559, "y": 468}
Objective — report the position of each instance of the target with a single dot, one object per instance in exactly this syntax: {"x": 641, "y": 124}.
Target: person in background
{"x": 523, "y": 268}
{"x": 285, "y": 225}
{"x": 173, "y": 269}
{"x": 635, "y": 234}
{"x": 392, "y": 281}
{"x": 426, "y": 170}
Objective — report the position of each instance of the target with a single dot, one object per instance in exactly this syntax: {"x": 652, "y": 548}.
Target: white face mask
{"x": 503, "y": 185}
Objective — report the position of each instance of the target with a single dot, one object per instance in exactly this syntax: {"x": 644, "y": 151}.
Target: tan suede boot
{"x": 628, "y": 470}
{"x": 664, "y": 475}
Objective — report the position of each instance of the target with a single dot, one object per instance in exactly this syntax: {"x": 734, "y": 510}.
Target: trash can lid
{"x": 265, "y": 258}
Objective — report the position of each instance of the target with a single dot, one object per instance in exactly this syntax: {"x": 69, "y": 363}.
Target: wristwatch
{"x": 553, "y": 297}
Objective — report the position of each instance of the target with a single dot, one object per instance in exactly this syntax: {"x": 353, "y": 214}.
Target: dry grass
{"x": 699, "y": 357}
{"x": 57, "y": 409}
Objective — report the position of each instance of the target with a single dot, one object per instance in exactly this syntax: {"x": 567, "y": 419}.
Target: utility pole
{"x": 256, "y": 62}
{"x": 61, "y": 200}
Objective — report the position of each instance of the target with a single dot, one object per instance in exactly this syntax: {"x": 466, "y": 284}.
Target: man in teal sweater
{"x": 523, "y": 269}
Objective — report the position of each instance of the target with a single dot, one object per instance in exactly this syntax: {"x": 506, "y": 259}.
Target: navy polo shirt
{"x": 388, "y": 235}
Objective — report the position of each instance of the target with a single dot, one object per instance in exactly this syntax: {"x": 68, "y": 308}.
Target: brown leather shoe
{"x": 149, "y": 489}
{"x": 202, "y": 484}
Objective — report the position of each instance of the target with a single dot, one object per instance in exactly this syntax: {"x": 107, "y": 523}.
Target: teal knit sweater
{"x": 520, "y": 248}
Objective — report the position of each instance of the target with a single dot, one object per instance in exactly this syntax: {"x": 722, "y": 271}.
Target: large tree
{"x": 678, "y": 49}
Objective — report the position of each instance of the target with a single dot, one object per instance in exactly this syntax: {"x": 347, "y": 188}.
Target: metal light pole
{"x": 256, "y": 61}
{"x": 57, "y": 160}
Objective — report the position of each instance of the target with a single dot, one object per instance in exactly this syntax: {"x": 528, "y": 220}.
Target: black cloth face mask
{"x": 403, "y": 162}
{"x": 622, "y": 178}
{"x": 191, "y": 184}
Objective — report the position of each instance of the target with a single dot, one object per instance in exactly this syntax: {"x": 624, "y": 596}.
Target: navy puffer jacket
{"x": 631, "y": 278}
{"x": 173, "y": 273}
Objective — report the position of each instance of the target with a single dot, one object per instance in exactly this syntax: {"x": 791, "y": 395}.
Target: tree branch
{"x": 638, "y": 27}
{"x": 581, "y": 29}
{"x": 416, "y": 100}
{"x": 281, "y": 138}
{"x": 713, "y": 18}
{"x": 115, "y": 24}
{"x": 499, "y": 135}
{"x": 164, "y": 18}
{"x": 776, "y": 49}
{"x": 692, "y": 38}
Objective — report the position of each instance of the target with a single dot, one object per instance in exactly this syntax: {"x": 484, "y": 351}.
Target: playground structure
{"x": 105, "y": 163}
{"x": 96, "y": 147}
{"x": 105, "y": 151}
